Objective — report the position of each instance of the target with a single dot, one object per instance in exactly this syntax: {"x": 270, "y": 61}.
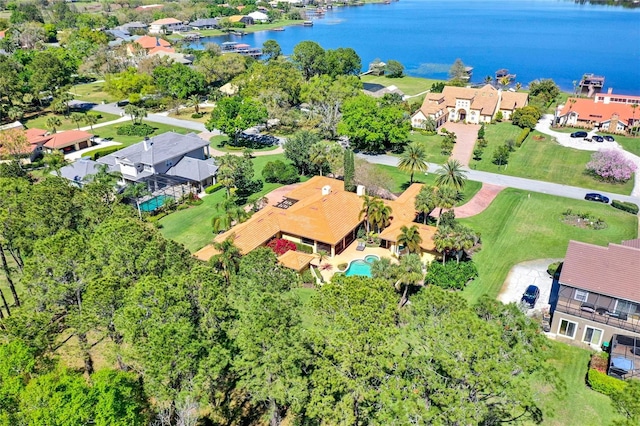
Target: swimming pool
{"x": 361, "y": 267}
{"x": 154, "y": 203}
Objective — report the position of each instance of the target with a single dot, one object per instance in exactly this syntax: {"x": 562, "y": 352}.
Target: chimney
{"x": 326, "y": 190}
{"x": 610, "y": 90}
{"x": 146, "y": 143}
{"x": 360, "y": 190}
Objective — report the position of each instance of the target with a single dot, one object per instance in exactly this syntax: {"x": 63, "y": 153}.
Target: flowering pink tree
{"x": 611, "y": 165}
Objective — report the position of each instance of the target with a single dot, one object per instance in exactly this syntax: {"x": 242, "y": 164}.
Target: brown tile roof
{"x": 484, "y": 99}
{"x": 597, "y": 111}
{"x": 296, "y": 260}
{"x": 68, "y": 138}
{"x": 235, "y": 18}
{"x": 632, "y": 243}
{"x": 166, "y": 21}
{"x": 513, "y": 100}
{"x": 148, "y": 42}
{"x": 161, "y": 49}
{"x": 427, "y": 232}
{"x": 611, "y": 271}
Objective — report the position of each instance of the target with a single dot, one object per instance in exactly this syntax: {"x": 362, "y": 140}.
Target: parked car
{"x": 530, "y": 296}
{"x": 579, "y": 134}
{"x": 592, "y": 196}
{"x": 598, "y": 138}
{"x": 609, "y": 138}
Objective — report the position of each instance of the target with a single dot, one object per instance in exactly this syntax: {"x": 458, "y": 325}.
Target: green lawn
{"x": 431, "y": 144}
{"x": 579, "y": 405}
{"x": 399, "y": 181}
{"x": 629, "y": 144}
{"x": 192, "y": 227}
{"x": 252, "y": 28}
{"x": 543, "y": 160}
{"x": 409, "y": 85}
{"x": 92, "y": 92}
{"x": 109, "y": 132}
{"x": 520, "y": 226}
{"x": 40, "y": 121}
{"x": 220, "y": 143}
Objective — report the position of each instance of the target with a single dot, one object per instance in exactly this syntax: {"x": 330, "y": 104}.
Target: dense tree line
{"x": 163, "y": 337}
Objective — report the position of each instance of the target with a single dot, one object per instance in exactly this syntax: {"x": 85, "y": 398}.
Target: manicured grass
{"x": 40, "y": 121}
{"x": 409, "y": 85}
{"x": 431, "y": 145}
{"x": 220, "y": 143}
{"x": 399, "y": 181}
{"x": 520, "y": 226}
{"x": 192, "y": 227}
{"x": 185, "y": 114}
{"x": 92, "y": 92}
{"x": 578, "y": 405}
{"x": 253, "y": 28}
{"x": 629, "y": 144}
{"x": 109, "y": 132}
{"x": 543, "y": 160}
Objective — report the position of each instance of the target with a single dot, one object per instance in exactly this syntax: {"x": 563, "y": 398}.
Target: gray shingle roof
{"x": 206, "y": 22}
{"x": 79, "y": 170}
{"x": 158, "y": 149}
{"x": 194, "y": 169}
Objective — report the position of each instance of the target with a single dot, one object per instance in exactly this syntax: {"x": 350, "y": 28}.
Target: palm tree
{"x": 635, "y": 126}
{"x": 446, "y": 198}
{"x": 462, "y": 239}
{"x": 53, "y": 123}
{"x": 322, "y": 255}
{"x": 140, "y": 113}
{"x": 15, "y": 113}
{"x": 228, "y": 258}
{"x": 91, "y": 119}
{"x": 130, "y": 110}
{"x": 410, "y": 238}
{"x": 136, "y": 191}
{"x": 380, "y": 215}
{"x": 368, "y": 205}
{"x": 409, "y": 273}
{"x": 413, "y": 160}
{"x": 452, "y": 174}
{"x": 383, "y": 269}
{"x": 488, "y": 79}
{"x": 318, "y": 156}
{"x": 442, "y": 241}
{"x": 54, "y": 162}
{"x": 77, "y": 118}
{"x": 194, "y": 101}
{"x": 425, "y": 201}
{"x": 518, "y": 86}
{"x": 504, "y": 81}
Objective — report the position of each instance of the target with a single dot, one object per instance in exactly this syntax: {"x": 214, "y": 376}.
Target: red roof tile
{"x": 68, "y": 138}
{"x": 597, "y": 111}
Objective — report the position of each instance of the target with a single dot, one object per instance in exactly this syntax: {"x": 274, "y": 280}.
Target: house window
{"x": 567, "y": 328}
{"x": 592, "y": 336}
{"x": 581, "y": 295}
{"x": 626, "y": 307}
{"x": 308, "y": 241}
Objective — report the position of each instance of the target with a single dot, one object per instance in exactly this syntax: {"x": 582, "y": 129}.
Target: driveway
{"x": 523, "y": 275}
{"x": 466, "y": 140}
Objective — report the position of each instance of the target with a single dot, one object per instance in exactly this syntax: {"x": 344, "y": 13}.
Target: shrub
{"x": 602, "y": 383}
{"x": 182, "y": 207}
{"x": 156, "y": 217}
{"x": 482, "y": 143}
{"x": 98, "y": 153}
{"x": 213, "y": 188}
{"x": 303, "y": 248}
{"x": 279, "y": 172}
{"x": 501, "y": 155}
{"x": 307, "y": 277}
{"x": 446, "y": 147}
{"x": 499, "y": 116}
{"x": 135, "y": 130}
{"x": 477, "y": 154}
{"x": 197, "y": 115}
{"x": 625, "y": 206}
{"x": 451, "y": 275}
{"x": 342, "y": 266}
{"x": 522, "y": 136}
{"x": 610, "y": 165}
{"x": 526, "y": 117}
{"x": 280, "y": 246}
{"x": 551, "y": 269}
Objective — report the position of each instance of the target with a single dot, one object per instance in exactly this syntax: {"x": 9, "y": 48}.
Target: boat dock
{"x": 590, "y": 84}
{"x": 240, "y": 48}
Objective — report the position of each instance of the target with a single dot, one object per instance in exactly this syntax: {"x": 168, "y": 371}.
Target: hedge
{"x": 102, "y": 152}
{"x": 304, "y": 248}
{"x": 625, "y": 206}
{"x": 213, "y": 188}
{"x": 602, "y": 383}
{"x": 135, "y": 130}
{"x": 522, "y": 136}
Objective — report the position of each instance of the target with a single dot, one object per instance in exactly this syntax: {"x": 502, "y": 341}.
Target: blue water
{"x": 361, "y": 267}
{"x": 532, "y": 38}
{"x": 154, "y": 203}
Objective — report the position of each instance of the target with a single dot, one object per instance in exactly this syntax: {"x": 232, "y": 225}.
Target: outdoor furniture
{"x": 587, "y": 307}
{"x": 361, "y": 246}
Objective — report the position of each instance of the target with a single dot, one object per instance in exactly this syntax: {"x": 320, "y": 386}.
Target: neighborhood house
{"x": 612, "y": 113}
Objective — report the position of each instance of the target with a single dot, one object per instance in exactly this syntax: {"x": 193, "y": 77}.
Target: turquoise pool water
{"x": 361, "y": 267}
{"x": 154, "y": 203}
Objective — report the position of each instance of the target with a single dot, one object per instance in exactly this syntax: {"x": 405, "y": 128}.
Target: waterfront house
{"x": 247, "y": 20}
{"x": 470, "y": 105}
{"x": 608, "y": 113}
{"x": 320, "y": 214}
{"x": 161, "y": 26}
{"x": 148, "y": 42}
{"x": 597, "y": 294}
{"x": 259, "y": 17}
{"x": 204, "y": 24}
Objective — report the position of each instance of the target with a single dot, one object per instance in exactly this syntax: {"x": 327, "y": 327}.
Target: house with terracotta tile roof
{"x": 319, "y": 213}
{"x": 149, "y": 42}
{"x": 596, "y": 295}
{"x": 471, "y": 105}
{"x": 613, "y": 117}
{"x": 161, "y": 26}
{"x": 69, "y": 140}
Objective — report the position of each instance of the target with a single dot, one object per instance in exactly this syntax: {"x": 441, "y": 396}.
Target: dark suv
{"x": 579, "y": 134}
{"x": 530, "y": 296}
{"x": 596, "y": 197}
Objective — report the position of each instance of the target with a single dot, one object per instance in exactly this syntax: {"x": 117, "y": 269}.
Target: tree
{"x": 54, "y": 162}
{"x": 13, "y": 143}
{"x": 450, "y": 275}
{"x": 393, "y": 69}
{"x": 279, "y": 172}
{"x": 368, "y": 207}
{"x": 297, "y": 149}
{"x": 527, "y": 116}
{"x": 611, "y": 165}
{"x": 425, "y": 201}
{"x": 627, "y": 402}
{"x": 136, "y": 191}
{"x": 452, "y": 174}
{"x": 77, "y": 118}
{"x": 349, "y": 171}
{"x": 380, "y": 215}
{"x": 410, "y": 238}
{"x": 342, "y": 61}
{"x": 409, "y": 274}
{"x": 194, "y": 101}
{"x": 309, "y": 58}
{"x": 178, "y": 80}
{"x": 221, "y": 69}
{"x": 413, "y": 159}
{"x": 234, "y": 114}
{"x": 458, "y": 71}
{"x": 372, "y": 127}
{"x": 326, "y": 155}
{"x": 501, "y": 155}
{"x": 90, "y": 119}
{"x": 271, "y": 50}
{"x": 547, "y": 89}
{"x": 228, "y": 258}
{"x": 446, "y": 198}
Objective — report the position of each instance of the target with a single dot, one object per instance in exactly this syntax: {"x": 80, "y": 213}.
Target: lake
{"x": 532, "y": 38}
